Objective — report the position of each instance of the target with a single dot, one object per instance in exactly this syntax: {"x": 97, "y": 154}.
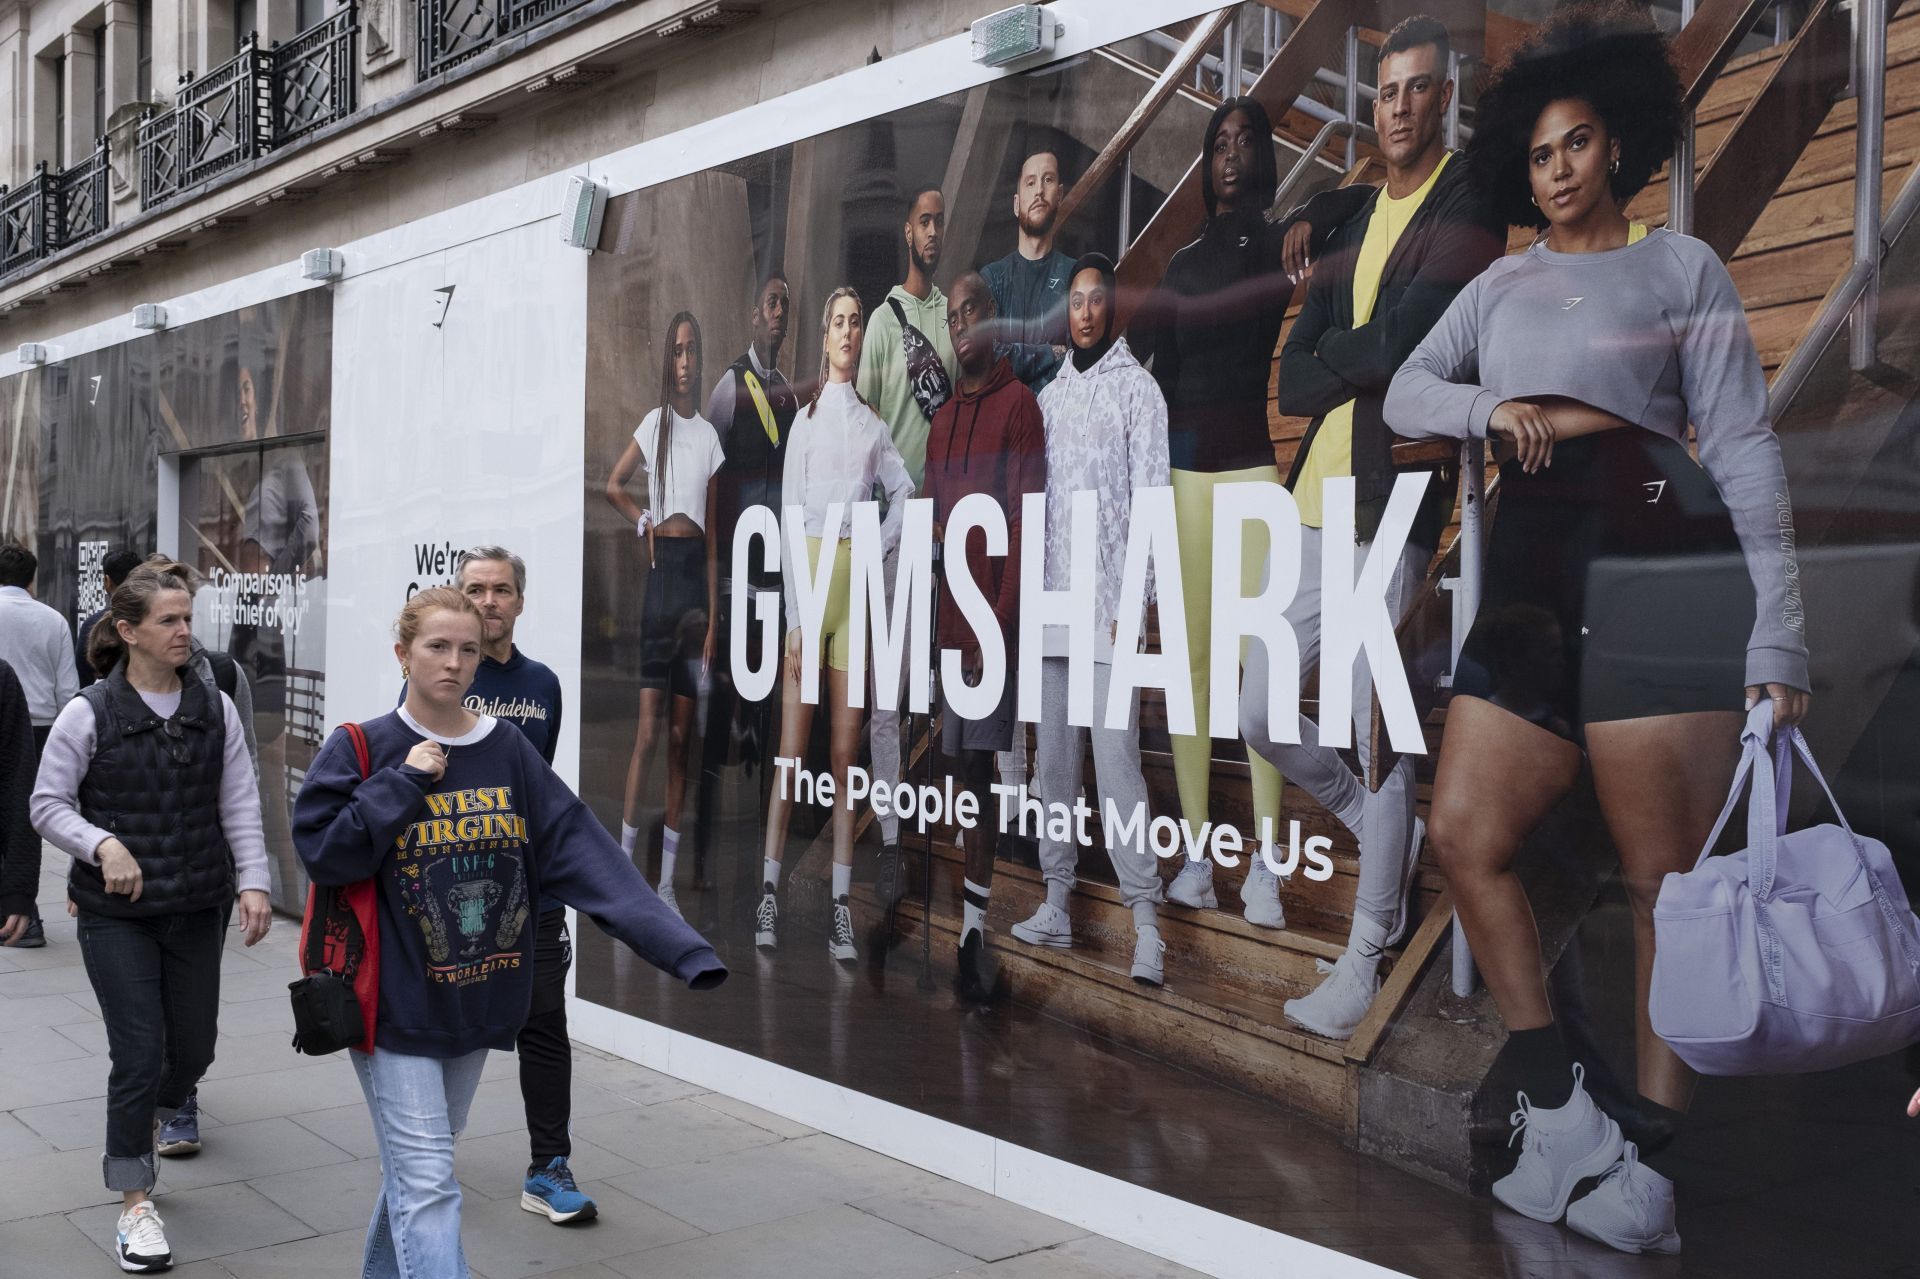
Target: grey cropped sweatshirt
{"x": 1653, "y": 333}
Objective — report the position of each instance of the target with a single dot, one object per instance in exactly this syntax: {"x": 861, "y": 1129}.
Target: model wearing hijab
{"x": 1106, "y": 433}
{"x": 1210, "y": 331}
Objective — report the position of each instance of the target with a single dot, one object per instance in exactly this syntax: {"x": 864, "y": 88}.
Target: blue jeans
{"x": 419, "y": 1106}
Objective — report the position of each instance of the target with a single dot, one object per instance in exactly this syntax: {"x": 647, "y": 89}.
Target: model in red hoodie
{"x": 987, "y": 439}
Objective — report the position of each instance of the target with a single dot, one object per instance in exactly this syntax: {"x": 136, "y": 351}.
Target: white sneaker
{"x": 763, "y": 922}
{"x": 141, "y": 1243}
{"x": 1260, "y": 891}
{"x": 673, "y": 902}
{"x": 1335, "y": 1007}
{"x": 1149, "y": 956}
{"x": 1631, "y": 1209}
{"x": 1563, "y": 1146}
{"x": 1193, "y": 887}
{"x": 840, "y": 942}
{"x": 1404, "y": 915}
{"x": 1047, "y": 926}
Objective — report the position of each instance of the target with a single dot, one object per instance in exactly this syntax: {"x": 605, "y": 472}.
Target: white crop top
{"x": 693, "y": 457}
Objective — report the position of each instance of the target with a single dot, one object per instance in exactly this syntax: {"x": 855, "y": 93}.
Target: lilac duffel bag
{"x": 1799, "y": 952}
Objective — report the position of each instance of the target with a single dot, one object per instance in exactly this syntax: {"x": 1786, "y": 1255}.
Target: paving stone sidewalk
{"x": 691, "y": 1184}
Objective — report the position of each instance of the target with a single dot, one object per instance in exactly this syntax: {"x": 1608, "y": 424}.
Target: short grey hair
{"x": 497, "y": 554}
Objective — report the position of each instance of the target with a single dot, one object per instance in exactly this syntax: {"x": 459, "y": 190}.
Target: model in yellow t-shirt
{"x": 1332, "y": 451}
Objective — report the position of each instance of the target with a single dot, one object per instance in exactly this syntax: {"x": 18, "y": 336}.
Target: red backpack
{"x": 340, "y": 957}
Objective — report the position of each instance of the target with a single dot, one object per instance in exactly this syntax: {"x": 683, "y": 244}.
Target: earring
{"x": 404, "y": 673}
{"x": 1534, "y": 200}
{"x": 1614, "y": 168}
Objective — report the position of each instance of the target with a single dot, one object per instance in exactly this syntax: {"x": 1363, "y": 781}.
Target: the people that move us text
{"x": 1606, "y": 632}
{"x": 457, "y": 901}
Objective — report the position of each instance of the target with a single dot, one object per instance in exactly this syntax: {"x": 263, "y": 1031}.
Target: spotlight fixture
{"x": 150, "y": 315}
{"x": 581, "y": 213}
{"x": 1013, "y": 35}
{"x": 31, "y": 353}
{"x": 322, "y": 264}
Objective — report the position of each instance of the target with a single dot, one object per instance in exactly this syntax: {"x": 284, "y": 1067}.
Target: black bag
{"x": 326, "y": 1013}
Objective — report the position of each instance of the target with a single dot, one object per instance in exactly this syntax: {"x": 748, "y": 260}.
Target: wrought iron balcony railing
{"x": 315, "y": 77}
{"x": 26, "y": 235}
{"x": 451, "y": 31}
{"x": 219, "y": 121}
{"x": 79, "y": 200}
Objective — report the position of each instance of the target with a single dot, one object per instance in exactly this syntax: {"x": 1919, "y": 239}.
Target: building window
{"x": 246, "y": 19}
{"x": 60, "y": 112}
{"x": 99, "y": 80}
{"x": 308, "y": 13}
{"x": 143, "y": 27}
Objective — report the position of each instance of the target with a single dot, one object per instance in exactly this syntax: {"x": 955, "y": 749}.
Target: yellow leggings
{"x": 834, "y": 629}
{"x": 1193, "y": 755}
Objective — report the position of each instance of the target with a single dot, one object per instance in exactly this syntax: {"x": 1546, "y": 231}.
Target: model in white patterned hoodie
{"x": 1106, "y": 432}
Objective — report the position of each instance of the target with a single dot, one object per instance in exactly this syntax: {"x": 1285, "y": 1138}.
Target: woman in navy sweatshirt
{"x": 466, "y": 832}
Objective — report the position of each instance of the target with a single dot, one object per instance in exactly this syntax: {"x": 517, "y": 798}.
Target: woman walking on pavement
{"x": 146, "y": 783}
{"x": 467, "y": 834}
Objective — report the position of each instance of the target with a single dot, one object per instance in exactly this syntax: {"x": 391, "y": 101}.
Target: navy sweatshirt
{"x": 459, "y": 863}
{"x": 521, "y": 691}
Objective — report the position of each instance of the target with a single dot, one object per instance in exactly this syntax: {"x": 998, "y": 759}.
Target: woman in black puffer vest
{"x": 145, "y": 781}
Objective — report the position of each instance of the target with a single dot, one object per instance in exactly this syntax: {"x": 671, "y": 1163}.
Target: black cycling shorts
{"x": 673, "y": 617}
{"x": 1615, "y": 589}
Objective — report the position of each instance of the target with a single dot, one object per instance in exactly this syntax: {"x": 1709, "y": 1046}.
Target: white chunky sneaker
{"x": 1149, "y": 956}
{"x": 1631, "y": 1209}
{"x": 1562, "y": 1147}
{"x": 840, "y": 941}
{"x": 763, "y": 921}
{"x": 140, "y": 1245}
{"x": 1193, "y": 887}
{"x": 1404, "y": 913}
{"x": 673, "y": 902}
{"x": 1336, "y": 1006}
{"x": 1047, "y": 926}
{"x": 1260, "y": 892}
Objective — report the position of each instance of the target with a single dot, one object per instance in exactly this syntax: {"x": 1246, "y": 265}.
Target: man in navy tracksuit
{"x": 512, "y": 687}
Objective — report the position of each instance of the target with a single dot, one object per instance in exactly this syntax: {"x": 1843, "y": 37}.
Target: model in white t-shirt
{"x": 680, "y": 454}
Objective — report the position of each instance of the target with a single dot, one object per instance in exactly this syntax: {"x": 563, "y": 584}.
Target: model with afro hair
{"x": 1611, "y": 56}
{"x": 1607, "y": 626}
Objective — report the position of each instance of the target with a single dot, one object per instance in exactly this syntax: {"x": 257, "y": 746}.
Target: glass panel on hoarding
{"x": 251, "y": 523}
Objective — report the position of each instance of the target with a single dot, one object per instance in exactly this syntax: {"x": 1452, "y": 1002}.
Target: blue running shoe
{"x": 551, "y": 1191}
{"x": 180, "y": 1135}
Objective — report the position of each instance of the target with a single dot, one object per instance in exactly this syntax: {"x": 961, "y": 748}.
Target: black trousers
{"x": 158, "y": 983}
{"x": 546, "y": 1054}
{"x": 40, "y": 735}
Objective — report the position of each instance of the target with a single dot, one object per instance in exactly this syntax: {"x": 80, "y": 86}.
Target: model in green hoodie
{"x": 906, "y": 391}
{"x": 906, "y": 387}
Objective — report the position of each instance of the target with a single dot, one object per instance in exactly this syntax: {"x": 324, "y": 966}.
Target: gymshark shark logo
{"x": 1658, "y": 487}
{"x": 1572, "y": 302}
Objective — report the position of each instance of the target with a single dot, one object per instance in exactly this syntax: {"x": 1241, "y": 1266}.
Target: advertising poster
{"x": 1019, "y": 626}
